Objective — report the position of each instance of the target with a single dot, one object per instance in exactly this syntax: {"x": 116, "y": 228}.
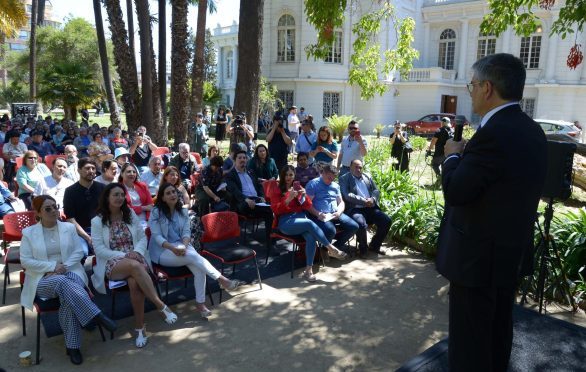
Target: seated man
{"x": 42, "y": 147}
{"x": 153, "y": 176}
{"x": 81, "y": 201}
{"x": 72, "y": 172}
{"x": 56, "y": 183}
{"x": 110, "y": 172}
{"x": 361, "y": 196}
{"x": 304, "y": 172}
{"x": 246, "y": 193}
{"x": 328, "y": 207}
{"x": 185, "y": 163}
{"x": 122, "y": 156}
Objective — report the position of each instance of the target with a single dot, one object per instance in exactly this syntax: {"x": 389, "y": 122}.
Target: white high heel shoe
{"x": 141, "y": 339}
{"x": 170, "y": 316}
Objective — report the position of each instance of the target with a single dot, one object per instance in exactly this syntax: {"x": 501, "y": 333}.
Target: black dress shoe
{"x": 382, "y": 253}
{"x": 105, "y": 322}
{"x": 75, "y": 356}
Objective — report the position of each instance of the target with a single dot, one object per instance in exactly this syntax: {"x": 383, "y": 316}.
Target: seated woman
{"x": 120, "y": 245}
{"x": 171, "y": 175}
{"x": 138, "y": 195}
{"x": 325, "y": 149}
{"x": 210, "y": 179}
{"x": 213, "y": 150}
{"x": 261, "y": 165}
{"x": 98, "y": 150}
{"x": 289, "y": 204}
{"x": 29, "y": 175}
{"x": 51, "y": 255}
{"x": 170, "y": 244}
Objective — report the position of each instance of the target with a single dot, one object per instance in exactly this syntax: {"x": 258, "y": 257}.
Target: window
{"x": 29, "y": 8}
{"x": 486, "y": 45}
{"x": 287, "y": 98}
{"x": 530, "y": 50}
{"x": 230, "y": 65}
{"x": 23, "y": 35}
{"x": 447, "y": 49}
{"x": 286, "y": 39}
{"x": 331, "y": 104}
{"x": 335, "y": 52}
{"x": 528, "y": 106}
{"x": 227, "y": 100}
{"x": 14, "y": 46}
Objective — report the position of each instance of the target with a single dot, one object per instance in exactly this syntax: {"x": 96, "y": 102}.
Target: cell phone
{"x": 296, "y": 185}
{"x": 357, "y": 132}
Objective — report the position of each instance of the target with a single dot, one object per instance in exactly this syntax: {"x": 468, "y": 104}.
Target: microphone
{"x": 460, "y": 121}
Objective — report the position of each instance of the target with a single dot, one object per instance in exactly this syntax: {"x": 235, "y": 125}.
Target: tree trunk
{"x": 156, "y": 129}
{"x": 249, "y": 58}
{"x": 130, "y": 21}
{"x": 198, "y": 60}
{"x": 144, "y": 30}
{"x": 179, "y": 59}
{"x": 33, "y": 53}
{"x": 114, "y": 115}
{"x": 163, "y": 62}
{"x": 125, "y": 65}
{"x": 41, "y": 13}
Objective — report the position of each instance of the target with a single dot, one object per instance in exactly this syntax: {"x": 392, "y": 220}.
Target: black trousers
{"x": 481, "y": 328}
{"x": 264, "y": 212}
{"x": 366, "y": 216}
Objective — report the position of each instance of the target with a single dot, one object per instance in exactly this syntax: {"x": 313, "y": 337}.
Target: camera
{"x": 238, "y": 121}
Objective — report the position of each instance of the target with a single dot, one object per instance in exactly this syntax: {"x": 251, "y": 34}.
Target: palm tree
{"x": 179, "y": 60}
{"x": 130, "y": 22}
{"x": 41, "y": 13}
{"x": 12, "y": 17}
{"x": 114, "y": 115}
{"x": 163, "y": 61}
{"x": 197, "y": 71}
{"x": 246, "y": 97}
{"x": 144, "y": 30}
{"x": 33, "y": 53}
{"x": 157, "y": 129}
{"x": 125, "y": 65}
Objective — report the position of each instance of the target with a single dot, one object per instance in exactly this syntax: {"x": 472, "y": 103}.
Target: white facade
{"x": 448, "y": 39}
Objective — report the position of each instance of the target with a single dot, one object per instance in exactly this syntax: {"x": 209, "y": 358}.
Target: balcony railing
{"x": 436, "y": 74}
{"x": 233, "y": 29}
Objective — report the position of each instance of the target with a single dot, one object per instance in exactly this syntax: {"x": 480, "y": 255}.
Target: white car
{"x": 559, "y": 127}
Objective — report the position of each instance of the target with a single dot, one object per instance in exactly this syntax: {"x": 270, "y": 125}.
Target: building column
{"x": 221, "y": 67}
{"x": 583, "y": 75}
{"x": 507, "y": 40}
{"x": 425, "y": 53}
{"x": 463, "y": 50}
{"x": 551, "y": 55}
{"x": 235, "y": 62}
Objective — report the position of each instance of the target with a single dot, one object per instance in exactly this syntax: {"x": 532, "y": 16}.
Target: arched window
{"x": 286, "y": 39}
{"x": 229, "y": 65}
{"x": 486, "y": 45}
{"x": 447, "y": 49}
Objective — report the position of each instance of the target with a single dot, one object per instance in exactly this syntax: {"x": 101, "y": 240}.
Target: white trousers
{"x": 199, "y": 266}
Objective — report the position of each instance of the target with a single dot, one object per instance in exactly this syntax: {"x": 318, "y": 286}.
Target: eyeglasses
{"x": 51, "y": 208}
{"x": 471, "y": 84}
{"x": 31, "y": 158}
{"x": 352, "y": 128}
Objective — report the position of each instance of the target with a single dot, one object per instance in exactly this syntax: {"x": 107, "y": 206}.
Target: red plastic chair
{"x": 50, "y": 159}
{"x": 160, "y": 151}
{"x": 267, "y": 187}
{"x": 222, "y": 227}
{"x": 43, "y": 307}
{"x": 14, "y": 223}
{"x": 18, "y": 163}
{"x": 197, "y": 157}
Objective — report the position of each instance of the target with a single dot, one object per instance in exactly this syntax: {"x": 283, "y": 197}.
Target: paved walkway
{"x": 370, "y": 315}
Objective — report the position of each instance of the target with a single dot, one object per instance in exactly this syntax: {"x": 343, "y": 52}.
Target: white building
{"x": 449, "y": 41}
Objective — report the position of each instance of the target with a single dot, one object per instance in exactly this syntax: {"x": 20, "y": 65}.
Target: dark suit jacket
{"x": 234, "y": 188}
{"x": 491, "y": 195}
{"x": 350, "y": 192}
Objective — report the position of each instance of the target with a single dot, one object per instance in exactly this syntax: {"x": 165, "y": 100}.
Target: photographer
{"x": 240, "y": 132}
{"x": 279, "y": 140}
{"x": 198, "y": 136}
{"x": 400, "y": 150}
{"x": 440, "y": 137}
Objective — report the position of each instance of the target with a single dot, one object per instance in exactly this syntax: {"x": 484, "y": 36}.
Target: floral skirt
{"x": 114, "y": 261}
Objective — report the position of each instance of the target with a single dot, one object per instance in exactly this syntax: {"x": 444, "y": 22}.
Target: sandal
{"x": 170, "y": 316}
{"x": 206, "y": 313}
{"x": 141, "y": 339}
{"x": 309, "y": 276}
{"x": 232, "y": 286}
{"x": 338, "y": 254}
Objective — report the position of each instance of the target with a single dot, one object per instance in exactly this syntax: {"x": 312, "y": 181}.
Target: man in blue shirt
{"x": 42, "y": 147}
{"x": 328, "y": 207}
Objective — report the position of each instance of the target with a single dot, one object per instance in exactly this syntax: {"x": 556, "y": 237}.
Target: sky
{"x": 227, "y": 12}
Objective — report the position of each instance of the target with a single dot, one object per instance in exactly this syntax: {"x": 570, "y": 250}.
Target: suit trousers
{"x": 76, "y": 310}
{"x": 264, "y": 212}
{"x": 481, "y": 328}
{"x": 198, "y": 265}
{"x": 370, "y": 216}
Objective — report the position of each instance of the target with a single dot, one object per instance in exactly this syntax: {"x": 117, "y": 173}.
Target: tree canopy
{"x": 368, "y": 69}
{"x": 12, "y": 17}
{"x": 520, "y": 14}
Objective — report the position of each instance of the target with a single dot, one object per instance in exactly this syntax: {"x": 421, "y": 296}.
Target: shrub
{"x": 418, "y": 143}
{"x": 339, "y": 124}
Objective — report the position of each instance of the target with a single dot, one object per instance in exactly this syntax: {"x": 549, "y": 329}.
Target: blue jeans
{"x": 299, "y": 224}
{"x": 345, "y": 223}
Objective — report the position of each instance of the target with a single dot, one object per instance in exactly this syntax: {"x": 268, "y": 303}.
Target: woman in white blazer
{"x": 170, "y": 244}
{"x": 120, "y": 245}
{"x": 51, "y": 255}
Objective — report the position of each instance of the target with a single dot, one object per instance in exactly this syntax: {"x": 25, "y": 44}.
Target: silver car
{"x": 559, "y": 127}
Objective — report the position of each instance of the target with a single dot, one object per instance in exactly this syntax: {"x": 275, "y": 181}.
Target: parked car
{"x": 429, "y": 124}
{"x": 559, "y": 127}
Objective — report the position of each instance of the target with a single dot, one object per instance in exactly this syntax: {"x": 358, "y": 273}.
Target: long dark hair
{"x": 104, "y": 207}
{"x": 257, "y": 160}
{"x": 282, "y": 175}
{"x": 162, "y": 206}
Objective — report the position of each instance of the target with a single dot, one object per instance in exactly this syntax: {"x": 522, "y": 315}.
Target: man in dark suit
{"x": 492, "y": 186}
{"x": 361, "y": 197}
{"x": 246, "y": 193}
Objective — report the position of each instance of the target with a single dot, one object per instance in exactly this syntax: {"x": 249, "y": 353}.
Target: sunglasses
{"x": 31, "y": 159}
{"x": 51, "y": 208}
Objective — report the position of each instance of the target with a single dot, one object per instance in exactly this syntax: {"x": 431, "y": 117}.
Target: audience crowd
{"x": 102, "y": 191}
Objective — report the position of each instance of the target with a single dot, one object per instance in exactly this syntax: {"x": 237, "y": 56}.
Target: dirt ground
{"x": 363, "y": 315}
